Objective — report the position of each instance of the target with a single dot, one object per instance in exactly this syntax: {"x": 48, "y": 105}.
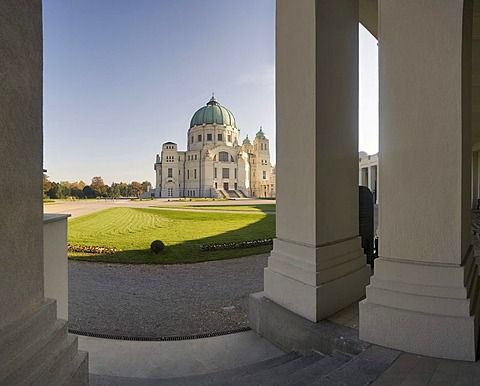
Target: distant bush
{"x": 157, "y": 246}
{"x": 235, "y": 245}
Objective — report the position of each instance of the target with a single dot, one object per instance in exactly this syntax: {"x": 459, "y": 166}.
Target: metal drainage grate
{"x": 158, "y": 339}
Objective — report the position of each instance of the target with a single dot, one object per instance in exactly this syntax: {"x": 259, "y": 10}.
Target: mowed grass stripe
{"x": 133, "y": 229}
{"x": 240, "y": 208}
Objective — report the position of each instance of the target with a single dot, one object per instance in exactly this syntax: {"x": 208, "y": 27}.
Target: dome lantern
{"x": 260, "y": 133}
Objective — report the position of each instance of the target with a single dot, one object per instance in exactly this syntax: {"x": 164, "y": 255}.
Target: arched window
{"x": 223, "y": 156}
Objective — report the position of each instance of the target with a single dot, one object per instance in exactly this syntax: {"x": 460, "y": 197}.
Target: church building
{"x": 215, "y": 164}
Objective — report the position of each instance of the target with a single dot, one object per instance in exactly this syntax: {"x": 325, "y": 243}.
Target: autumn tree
{"x": 136, "y": 188}
{"x": 98, "y": 186}
{"x": 47, "y": 185}
{"x": 145, "y": 185}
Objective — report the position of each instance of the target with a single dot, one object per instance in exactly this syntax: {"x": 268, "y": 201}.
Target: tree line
{"x": 66, "y": 189}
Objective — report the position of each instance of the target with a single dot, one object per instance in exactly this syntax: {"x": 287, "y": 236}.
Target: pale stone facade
{"x": 215, "y": 164}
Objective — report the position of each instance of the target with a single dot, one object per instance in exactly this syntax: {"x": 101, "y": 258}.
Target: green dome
{"x": 246, "y": 141}
{"x": 260, "y": 133}
{"x": 213, "y": 113}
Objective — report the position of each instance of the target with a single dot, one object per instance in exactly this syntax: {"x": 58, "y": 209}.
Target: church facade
{"x": 215, "y": 164}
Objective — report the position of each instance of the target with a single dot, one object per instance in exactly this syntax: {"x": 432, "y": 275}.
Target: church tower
{"x": 262, "y": 167}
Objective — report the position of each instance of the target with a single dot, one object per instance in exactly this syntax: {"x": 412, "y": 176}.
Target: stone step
{"x": 31, "y": 358}
{"x": 19, "y": 335}
{"x": 70, "y": 368}
{"x": 277, "y": 375}
{"x": 53, "y": 366}
{"x": 289, "y": 369}
{"x": 198, "y": 380}
{"x": 361, "y": 370}
{"x": 318, "y": 369}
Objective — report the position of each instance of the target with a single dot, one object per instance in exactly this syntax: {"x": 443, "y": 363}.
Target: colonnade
{"x": 423, "y": 297}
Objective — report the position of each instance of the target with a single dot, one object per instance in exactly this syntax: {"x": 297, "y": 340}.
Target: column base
{"x": 316, "y": 282}
{"x": 423, "y": 309}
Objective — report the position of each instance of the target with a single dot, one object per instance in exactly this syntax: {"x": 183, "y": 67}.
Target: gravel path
{"x": 163, "y": 300}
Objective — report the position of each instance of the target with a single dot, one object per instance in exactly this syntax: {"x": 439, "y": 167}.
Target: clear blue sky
{"x": 123, "y": 76}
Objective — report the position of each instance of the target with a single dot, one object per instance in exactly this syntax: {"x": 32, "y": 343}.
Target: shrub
{"x": 157, "y": 246}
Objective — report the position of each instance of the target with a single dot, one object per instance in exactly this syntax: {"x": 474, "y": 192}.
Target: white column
{"x": 378, "y": 181}
{"x": 373, "y": 178}
{"x": 475, "y": 196}
{"x": 317, "y": 265}
{"x": 34, "y": 345}
{"x": 424, "y": 295}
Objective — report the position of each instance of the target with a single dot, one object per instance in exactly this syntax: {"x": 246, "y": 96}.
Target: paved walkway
{"x": 175, "y": 359}
{"x": 82, "y": 207}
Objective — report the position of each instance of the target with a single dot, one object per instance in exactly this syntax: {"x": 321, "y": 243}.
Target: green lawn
{"x": 133, "y": 229}
{"x": 243, "y": 208}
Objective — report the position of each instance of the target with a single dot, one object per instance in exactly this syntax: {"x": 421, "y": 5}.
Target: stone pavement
{"x": 175, "y": 358}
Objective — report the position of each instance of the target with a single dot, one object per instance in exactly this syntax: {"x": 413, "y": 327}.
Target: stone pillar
{"x": 377, "y": 177}
{"x": 423, "y": 297}
{"x": 371, "y": 181}
{"x": 34, "y": 344}
{"x": 317, "y": 266}
{"x": 475, "y": 170}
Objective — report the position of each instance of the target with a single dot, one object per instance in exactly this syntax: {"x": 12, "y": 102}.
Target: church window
{"x": 195, "y": 157}
{"x": 220, "y": 136}
{"x": 188, "y": 174}
{"x": 170, "y": 192}
{"x": 209, "y": 136}
{"x": 231, "y": 158}
{"x": 195, "y": 173}
{"x": 178, "y": 171}
{"x": 261, "y": 146}
{"x": 225, "y": 173}
{"x": 199, "y": 137}
{"x": 215, "y": 173}
{"x": 170, "y": 172}
{"x": 223, "y": 156}
{"x": 235, "y": 172}
{"x": 192, "y": 138}
{"x": 264, "y": 175}
{"x": 179, "y": 158}
{"x": 229, "y": 138}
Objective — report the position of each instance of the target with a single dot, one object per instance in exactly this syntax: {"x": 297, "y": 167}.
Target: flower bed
{"x": 235, "y": 245}
{"x": 94, "y": 249}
